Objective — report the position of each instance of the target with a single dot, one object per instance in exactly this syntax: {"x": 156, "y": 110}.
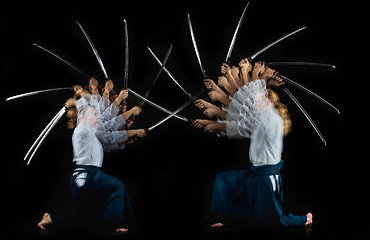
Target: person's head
{"x": 261, "y": 103}
{"x": 282, "y": 109}
{"x": 88, "y": 117}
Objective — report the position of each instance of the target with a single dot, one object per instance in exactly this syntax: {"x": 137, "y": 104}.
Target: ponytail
{"x": 282, "y": 110}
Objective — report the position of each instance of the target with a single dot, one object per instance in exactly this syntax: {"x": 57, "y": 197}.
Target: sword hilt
{"x": 228, "y": 64}
{"x": 131, "y": 118}
{"x": 190, "y": 121}
{"x": 206, "y": 76}
{"x": 282, "y": 87}
{"x": 250, "y": 60}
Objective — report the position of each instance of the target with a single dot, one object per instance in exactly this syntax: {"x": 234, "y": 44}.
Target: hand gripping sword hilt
{"x": 124, "y": 101}
{"x": 132, "y": 117}
{"x": 227, "y": 62}
{"x": 190, "y": 122}
{"x": 206, "y": 76}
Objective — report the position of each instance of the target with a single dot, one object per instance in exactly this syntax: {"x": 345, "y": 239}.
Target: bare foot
{"x": 45, "y": 221}
{"x": 309, "y": 220}
{"x": 122, "y": 230}
{"x": 217, "y": 225}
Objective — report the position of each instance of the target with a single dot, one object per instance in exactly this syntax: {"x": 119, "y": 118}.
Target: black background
{"x": 169, "y": 174}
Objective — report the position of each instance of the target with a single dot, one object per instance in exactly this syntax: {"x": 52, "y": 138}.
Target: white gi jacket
{"x": 251, "y": 115}
{"x": 96, "y": 130}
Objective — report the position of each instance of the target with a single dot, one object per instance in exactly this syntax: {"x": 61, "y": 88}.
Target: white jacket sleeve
{"x": 246, "y": 108}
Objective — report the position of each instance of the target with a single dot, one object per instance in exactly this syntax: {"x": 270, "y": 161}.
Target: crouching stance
{"x": 100, "y": 201}
{"x": 254, "y": 195}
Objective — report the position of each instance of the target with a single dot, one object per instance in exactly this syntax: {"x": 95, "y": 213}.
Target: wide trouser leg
{"x": 116, "y": 207}
{"x": 228, "y": 198}
{"x": 267, "y": 198}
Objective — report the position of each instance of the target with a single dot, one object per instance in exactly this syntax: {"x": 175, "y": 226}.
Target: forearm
{"x": 126, "y": 115}
{"x": 245, "y": 76}
{"x": 231, "y": 89}
{"x": 221, "y": 127}
{"x": 235, "y": 73}
{"x": 106, "y": 93}
{"x": 219, "y": 90}
{"x": 215, "y": 128}
{"x": 239, "y": 81}
{"x": 117, "y": 101}
{"x": 225, "y": 100}
{"x": 131, "y": 133}
{"x": 136, "y": 133}
{"x": 94, "y": 90}
{"x": 255, "y": 76}
{"x": 231, "y": 79}
{"x": 221, "y": 114}
{"x": 210, "y": 105}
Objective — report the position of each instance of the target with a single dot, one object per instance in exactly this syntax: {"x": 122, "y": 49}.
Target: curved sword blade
{"x": 175, "y": 112}
{"x": 227, "y": 60}
{"x": 44, "y": 134}
{"x": 85, "y": 75}
{"x": 168, "y": 73}
{"x": 37, "y": 92}
{"x": 156, "y": 105}
{"x": 309, "y": 91}
{"x": 125, "y": 78}
{"x": 275, "y": 42}
{"x": 305, "y": 114}
{"x": 158, "y": 74}
{"x": 205, "y": 75}
{"x": 300, "y": 64}
{"x": 94, "y": 50}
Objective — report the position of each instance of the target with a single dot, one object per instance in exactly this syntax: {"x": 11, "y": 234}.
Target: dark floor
{"x": 27, "y": 229}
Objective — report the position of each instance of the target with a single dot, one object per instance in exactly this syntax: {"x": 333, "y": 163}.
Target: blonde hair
{"x": 282, "y": 109}
{"x": 71, "y": 118}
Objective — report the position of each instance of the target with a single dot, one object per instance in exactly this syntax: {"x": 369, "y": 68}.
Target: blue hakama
{"x": 252, "y": 196}
{"x": 100, "y": 203}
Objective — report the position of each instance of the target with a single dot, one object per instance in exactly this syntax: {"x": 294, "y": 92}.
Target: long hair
{"x": 282, "y": 109}
{"x": 71, "y": 118}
